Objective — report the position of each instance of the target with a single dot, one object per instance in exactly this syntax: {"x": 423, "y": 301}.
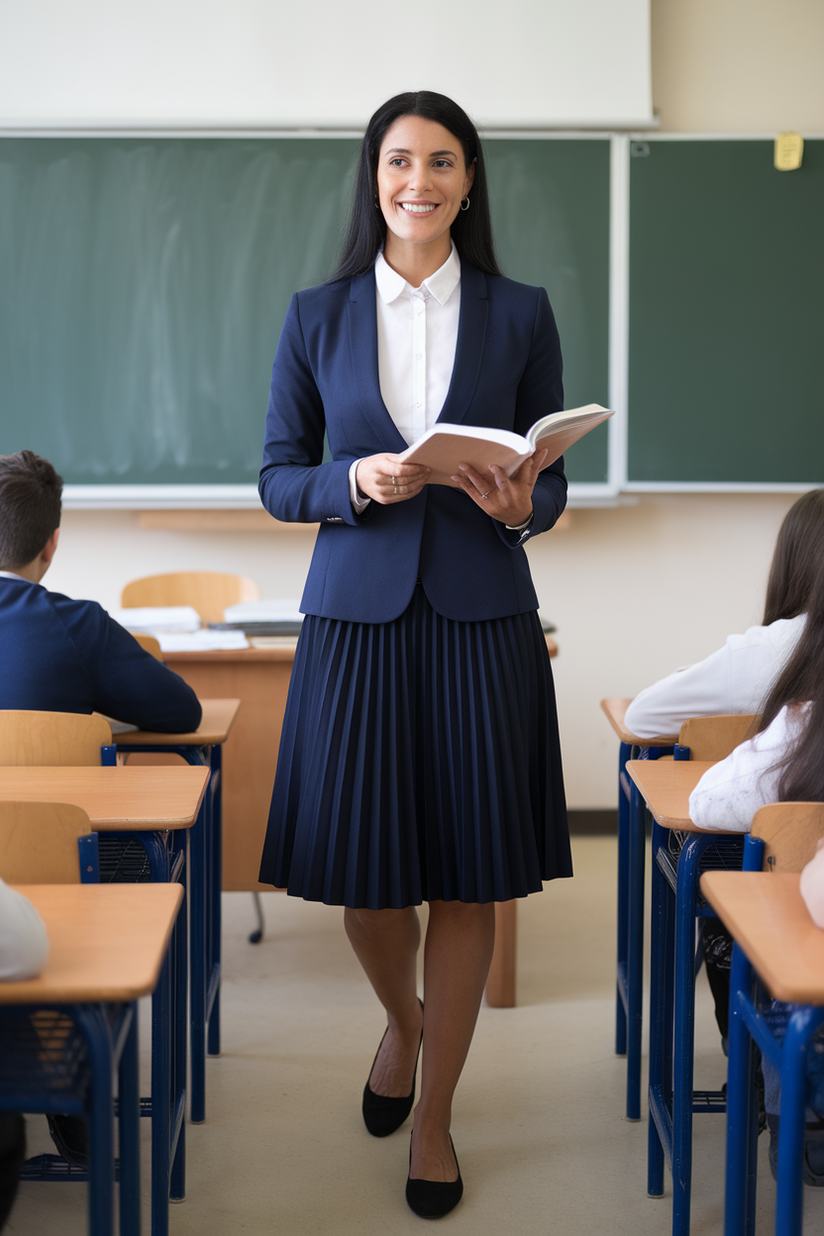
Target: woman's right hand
{"x": 385, "y": 479}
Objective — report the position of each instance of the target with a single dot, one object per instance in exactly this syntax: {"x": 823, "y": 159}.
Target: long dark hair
{"x": 366, "y": 230}
{"x": 802, "y": 680}
{"x": 798, "y": 560}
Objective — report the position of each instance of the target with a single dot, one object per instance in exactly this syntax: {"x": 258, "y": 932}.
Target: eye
{"x": 397, "y": 161}
{"x": 442, "y": 163}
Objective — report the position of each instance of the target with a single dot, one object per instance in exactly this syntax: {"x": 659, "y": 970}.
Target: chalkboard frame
{"x": 241, "y": 496}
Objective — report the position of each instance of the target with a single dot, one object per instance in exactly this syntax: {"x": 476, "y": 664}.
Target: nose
{"x": 421, "y": 178}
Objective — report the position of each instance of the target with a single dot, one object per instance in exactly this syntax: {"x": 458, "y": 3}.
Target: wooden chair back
{"x": 790, "y": 833}
{"x": 51, "y": 738}
{"x": 713, "y": 738}
{"x": 209, "y": 592}
{"x": 38, "y": 842}
{"x": 150, "y": 644}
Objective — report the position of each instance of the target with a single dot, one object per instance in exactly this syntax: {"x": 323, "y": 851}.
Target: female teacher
{"x": 419, "y": 759}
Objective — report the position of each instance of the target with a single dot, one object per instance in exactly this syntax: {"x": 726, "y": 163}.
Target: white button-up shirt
{"x": 417, "y": 340}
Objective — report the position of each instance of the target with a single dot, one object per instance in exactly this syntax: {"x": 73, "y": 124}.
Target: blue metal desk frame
{"x": 748, "y": 1027}
{"x": 204, "y": 909}
{"x": 630, "y": 934}
{"x": 110, "y": 1035}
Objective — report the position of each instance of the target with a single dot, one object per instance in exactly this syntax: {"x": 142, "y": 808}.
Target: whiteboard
{"x": 320, "y": 63}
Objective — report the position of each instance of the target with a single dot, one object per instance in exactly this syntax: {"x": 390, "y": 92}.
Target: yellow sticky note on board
{"x": 789, "y": 150}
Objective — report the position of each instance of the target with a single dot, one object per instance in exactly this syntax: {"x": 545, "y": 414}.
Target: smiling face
{"x": 422, "y": 178}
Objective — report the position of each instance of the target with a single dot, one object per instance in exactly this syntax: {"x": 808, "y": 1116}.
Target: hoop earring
{"x": 465, "y": 204}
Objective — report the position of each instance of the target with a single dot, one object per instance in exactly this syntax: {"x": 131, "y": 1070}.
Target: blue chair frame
{"x": 748, "y": 1028}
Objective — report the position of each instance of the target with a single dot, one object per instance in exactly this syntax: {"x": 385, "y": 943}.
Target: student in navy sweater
{"x": 61, "y": 655}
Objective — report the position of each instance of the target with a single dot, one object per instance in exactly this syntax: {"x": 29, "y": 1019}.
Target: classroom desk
{"x": 629, "y": 966}
{"x": 666, "y": 786}
{"x": 259, "y": 678}
{"x": 149, "y": 801}
{"x": 776, "y": 937}
{"x": 108, "y": 944}
{"x": 200, "y": 747}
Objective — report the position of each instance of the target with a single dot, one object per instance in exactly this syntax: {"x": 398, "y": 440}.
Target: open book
{"x": 445, "y": 446}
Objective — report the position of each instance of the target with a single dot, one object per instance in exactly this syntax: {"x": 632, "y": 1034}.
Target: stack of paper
{"x": 200, "y": 641}
{"x": 265, "y": 611}
{"x": 157, "y": 619}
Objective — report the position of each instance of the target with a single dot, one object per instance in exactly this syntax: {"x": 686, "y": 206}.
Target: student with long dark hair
{"x": 737, "y": 678}
{"x": 419, "y": 759}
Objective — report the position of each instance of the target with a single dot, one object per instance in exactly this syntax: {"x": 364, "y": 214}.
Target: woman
{"x": 419, "y": 757}
{"x": 738, "y": 677}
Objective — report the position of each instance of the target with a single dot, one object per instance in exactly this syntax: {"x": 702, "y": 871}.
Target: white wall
{"x": 320, "y": 62}
{"x": 635, "y": 590}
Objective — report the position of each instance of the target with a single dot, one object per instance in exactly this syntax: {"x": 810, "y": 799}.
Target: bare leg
{"x": 459, "y": 943}
{"x": 386, "y": 944}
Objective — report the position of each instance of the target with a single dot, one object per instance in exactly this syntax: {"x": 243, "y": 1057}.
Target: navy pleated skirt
{"x": 419, "y": 761}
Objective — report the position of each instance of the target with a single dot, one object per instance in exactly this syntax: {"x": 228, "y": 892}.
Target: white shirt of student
{"x": 735, "y": 680}
{"x": 729, "y": 794}
{"x": 24, "y": 945}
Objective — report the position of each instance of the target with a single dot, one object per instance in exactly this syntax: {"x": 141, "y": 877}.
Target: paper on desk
{"x": 277, "y": 610}
{"x": 157, "y": 619}
{"x": 202, "y": 641}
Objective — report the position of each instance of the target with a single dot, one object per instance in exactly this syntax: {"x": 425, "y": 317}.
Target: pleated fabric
{"x": 419, "y": 761}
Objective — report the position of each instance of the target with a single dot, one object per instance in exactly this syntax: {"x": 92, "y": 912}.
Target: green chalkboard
{"x": 726, "y": 314}
{"x": 143, "y": 282}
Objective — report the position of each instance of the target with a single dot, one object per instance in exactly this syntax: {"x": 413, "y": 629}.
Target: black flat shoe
{"x": 382, "y": 1115}
{"x": 432, "y": 1199}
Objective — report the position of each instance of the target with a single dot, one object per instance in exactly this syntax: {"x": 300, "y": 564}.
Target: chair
{"x": 47, "y": 843}
{"x": 674, "y": 963}
{"x": 209, "y": 592}
{"x": 54, "y": 739}
{"x": 150, "y": 644}
{"x": 784, "y": 838}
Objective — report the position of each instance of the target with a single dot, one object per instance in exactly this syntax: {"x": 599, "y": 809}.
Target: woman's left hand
{"x": 508, "y": 498}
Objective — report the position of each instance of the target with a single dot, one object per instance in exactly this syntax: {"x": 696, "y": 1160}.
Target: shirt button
{"x": 417, "y": 356}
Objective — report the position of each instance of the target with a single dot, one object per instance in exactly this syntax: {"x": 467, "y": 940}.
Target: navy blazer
{"x": 61, "y": 655}
{"x": 507, "y": 374}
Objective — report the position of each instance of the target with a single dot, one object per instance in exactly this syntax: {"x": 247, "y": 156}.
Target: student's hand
{"x": 385, "y": 479}
{"x": 506, "y": 498}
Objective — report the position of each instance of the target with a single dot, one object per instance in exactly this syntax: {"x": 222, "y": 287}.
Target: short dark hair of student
{"x": 801, "y": 681}
{"x": 798, "y": 560}
{"x": 366, "y": 230}
{"x": 30, "y": 493}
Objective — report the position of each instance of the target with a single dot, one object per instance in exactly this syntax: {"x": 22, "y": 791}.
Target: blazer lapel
{"x": 469, "y": 351}
{"x": 363, "y": 340}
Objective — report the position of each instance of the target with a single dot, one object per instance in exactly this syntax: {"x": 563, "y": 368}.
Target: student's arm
{"x": 729, "y": 794}
{"x": 24, "y": 945}
{"x": 126, "y": 682}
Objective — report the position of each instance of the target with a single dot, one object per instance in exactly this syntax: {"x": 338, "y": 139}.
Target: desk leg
{"x": 623, "y": 904}
{"x": 660, "y": 1021}
{"x": 788, "y": 1201}
{"x": 636, "y": 863}
{"x": 213, "y": 953}
{"x": 198, "y": 895}
{"x": 129, "y": 1132}
{"x": 92, "y": 1023}
{"x": 500, "y": 983}
{"x": 742, "y": 1127}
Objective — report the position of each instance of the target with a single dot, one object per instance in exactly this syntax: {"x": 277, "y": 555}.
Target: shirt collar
{"x": 13, "y": 575}
{"x": 441, "y": 284}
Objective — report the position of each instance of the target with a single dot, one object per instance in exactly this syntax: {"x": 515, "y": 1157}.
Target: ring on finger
{"x": 486, "y": 495}
{"x": 395, "y": 489}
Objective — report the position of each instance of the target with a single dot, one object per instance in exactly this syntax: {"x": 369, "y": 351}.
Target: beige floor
{"x": 538, "y": 1125}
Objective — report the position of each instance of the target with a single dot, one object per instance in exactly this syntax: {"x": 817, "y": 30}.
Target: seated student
{"x": 812, "y": 886}
{"x": 781, "y": 763}
{"x": 61, "y": 655}
{"x": 736, "y": 678}
{"x": 24, "y": 947}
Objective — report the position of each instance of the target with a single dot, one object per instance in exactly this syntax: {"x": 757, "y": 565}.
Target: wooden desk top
{"x": 666, "y": 786}
{"x": 283, "y": 651}
{"x": 115, "y": 799}
{"x": 107, "y": 941}
{"x": 615, "y": 709}
{"x": 218, "y": 718}
{"x": 767, "y": 916}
